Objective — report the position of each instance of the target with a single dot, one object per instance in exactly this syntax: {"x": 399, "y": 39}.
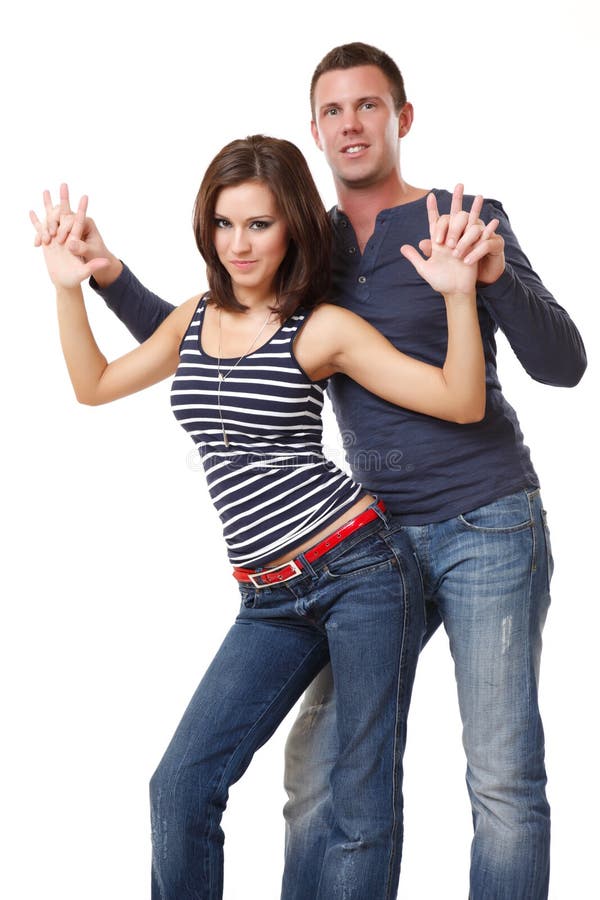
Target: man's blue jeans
{"x": 486, "y": 576}
{"x": 360, "y": 605}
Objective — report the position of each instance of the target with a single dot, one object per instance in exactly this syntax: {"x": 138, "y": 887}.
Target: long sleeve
{"x": 139, "y": 309}
{"x": 541, "y": 333}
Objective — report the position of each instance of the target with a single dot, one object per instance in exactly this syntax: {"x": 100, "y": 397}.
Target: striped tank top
{"x": 272, "y": 486}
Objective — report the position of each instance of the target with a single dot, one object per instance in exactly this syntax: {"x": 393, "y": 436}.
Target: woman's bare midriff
{"x": 354, "y": 510}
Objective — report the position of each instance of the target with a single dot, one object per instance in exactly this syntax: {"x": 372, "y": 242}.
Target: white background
{"x": 117, "y": 591}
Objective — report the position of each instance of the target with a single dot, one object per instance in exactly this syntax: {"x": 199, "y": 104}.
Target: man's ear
{"x": 405, "y": 119}
{"x": 315, "y": 133}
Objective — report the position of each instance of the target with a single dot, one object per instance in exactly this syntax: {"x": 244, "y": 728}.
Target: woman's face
{"x": 251, "y": 238}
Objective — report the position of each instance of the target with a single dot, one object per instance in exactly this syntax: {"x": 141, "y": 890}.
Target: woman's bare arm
{"x": 94, "y": 379}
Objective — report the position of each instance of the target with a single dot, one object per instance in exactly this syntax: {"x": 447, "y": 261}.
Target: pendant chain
{"x": 221, "y": 376}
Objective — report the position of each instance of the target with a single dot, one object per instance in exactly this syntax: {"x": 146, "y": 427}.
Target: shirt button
{"x": 351, "y": 249}
{"x": 361, "y": 279}
{"x": 344, "y": 223}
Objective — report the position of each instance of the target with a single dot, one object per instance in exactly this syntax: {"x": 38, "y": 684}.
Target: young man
{"x": 468, "y": 497}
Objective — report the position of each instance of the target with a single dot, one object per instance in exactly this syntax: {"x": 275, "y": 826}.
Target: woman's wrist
{"x": 457, "y": 296}
{"x": 68, "y": 293}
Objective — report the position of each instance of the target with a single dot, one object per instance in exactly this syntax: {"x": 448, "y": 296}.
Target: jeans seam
{"x": 533, "y": 569}
{"x": 397, "y": 724}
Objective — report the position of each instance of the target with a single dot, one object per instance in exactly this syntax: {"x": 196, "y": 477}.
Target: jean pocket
{"x": 504, "y": 516}
{"x": 368, "y": 556}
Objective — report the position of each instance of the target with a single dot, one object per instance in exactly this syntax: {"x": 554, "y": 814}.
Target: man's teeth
{"x": 355, "y": 149}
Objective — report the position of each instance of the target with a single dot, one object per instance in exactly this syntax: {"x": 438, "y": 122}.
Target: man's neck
{"x": 363, "y": 204}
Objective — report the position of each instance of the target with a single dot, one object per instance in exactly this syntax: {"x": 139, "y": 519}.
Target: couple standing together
{"x": 440, "y": 523}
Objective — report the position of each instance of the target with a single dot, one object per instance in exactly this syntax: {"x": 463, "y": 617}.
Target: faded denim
{"x": 486, "y": 577}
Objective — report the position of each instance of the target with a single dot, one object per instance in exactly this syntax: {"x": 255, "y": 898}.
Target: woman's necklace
{"x": 221, "y": 376}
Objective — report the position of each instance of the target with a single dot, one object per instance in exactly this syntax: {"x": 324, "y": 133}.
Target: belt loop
{"x": 306, "y": 566}
{"x": 382, "y": 513}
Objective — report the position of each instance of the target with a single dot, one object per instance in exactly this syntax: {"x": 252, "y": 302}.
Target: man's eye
{"x": 331, "y": 112}
{"x": 221, "y": 223}
{"x": 368, "y": 105}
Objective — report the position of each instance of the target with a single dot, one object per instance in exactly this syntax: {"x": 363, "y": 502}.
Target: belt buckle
{"x": 296, "y": 570}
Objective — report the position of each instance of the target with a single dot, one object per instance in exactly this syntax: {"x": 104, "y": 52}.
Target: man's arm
{"x": 139, "y": 309}
{"x": 541, "y": 333}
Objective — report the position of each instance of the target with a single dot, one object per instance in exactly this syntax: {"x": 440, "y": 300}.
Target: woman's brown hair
{"x": 303, "y": 276}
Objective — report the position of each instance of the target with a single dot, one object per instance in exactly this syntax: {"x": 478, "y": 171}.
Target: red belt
{"x": 293, "y": 568}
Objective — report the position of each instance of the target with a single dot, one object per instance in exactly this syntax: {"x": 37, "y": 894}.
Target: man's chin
{"x": 358, "y": 180}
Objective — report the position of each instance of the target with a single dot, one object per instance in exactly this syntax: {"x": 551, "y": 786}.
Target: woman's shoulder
{"x": 179, "y": 320}
{"x": 326, "y": 314}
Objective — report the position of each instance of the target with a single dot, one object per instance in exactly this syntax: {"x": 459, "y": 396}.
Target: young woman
{"x": 319, "y": 576}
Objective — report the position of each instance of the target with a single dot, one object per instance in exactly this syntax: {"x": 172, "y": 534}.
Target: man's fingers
{"x": 64, "y": 204}
{"x": 425, "y": 247}
{"x": 79, "y": 221}
{"x": 492, "y": 246}
{"x": 472, "y": 234}
{"x": 82, "y": 208}
{"x": 94, "y": 265}
{"x": 66, "y": 226}
{"x": 456, "y": 228}
{"x": 476, "y": 207}
{"x": 490, "y": 228}
{"x": 457, "y": 199}
{"x": 77, "y": 247}
{"x": 460, "y": 220}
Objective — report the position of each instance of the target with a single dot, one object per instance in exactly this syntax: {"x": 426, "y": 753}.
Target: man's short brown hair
{"x": 348, "y": 56}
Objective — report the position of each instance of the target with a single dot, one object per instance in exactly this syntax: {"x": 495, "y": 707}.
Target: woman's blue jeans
{"x": 486, "y": 576}
{"x": 360, "y": 606}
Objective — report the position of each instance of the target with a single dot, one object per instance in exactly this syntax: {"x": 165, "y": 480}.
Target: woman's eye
{"x": 259, "y": 225}
{"x": 221, "y": 223}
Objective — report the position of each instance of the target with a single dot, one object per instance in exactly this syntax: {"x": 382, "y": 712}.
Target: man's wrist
{"x": 499, "y": 284}
{"x": 106, "y": 276}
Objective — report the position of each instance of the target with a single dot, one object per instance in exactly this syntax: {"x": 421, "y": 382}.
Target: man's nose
{"x": 351, "y": 121}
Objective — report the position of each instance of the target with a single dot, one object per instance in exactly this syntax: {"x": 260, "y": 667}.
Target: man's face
{"x": 356, "y": 126}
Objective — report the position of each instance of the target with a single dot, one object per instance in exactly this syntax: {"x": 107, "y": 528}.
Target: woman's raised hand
{"x": 453, "y": 237}
{"x": 65, "y": 268}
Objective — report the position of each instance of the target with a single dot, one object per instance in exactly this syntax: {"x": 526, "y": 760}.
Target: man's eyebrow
{"x": 358, "y": 100}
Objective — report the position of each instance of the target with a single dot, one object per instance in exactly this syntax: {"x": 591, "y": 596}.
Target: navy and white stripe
{"x": 272, "y": 486}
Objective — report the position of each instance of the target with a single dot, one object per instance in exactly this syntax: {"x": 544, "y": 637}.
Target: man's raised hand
{"x": 487, "y": 252}
{"x": 452, "y": 237}
{"x": 84, "y": 240}
{"x": 65, "y": 268}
